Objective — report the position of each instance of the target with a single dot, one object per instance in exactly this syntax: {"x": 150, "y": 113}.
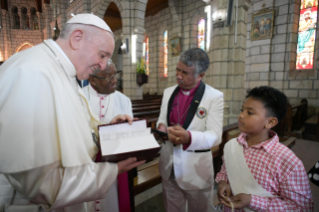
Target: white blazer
{"x": 194, "y": 170}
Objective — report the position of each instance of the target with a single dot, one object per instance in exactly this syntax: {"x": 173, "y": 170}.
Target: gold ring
{"x": 177, "y": 138}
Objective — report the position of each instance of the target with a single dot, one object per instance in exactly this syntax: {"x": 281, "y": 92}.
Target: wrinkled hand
{"x": 122, "y": 118}
{"x": 128, "y": 164}
{"x": 239, "y": 201}
{"x": 178, "y": 135}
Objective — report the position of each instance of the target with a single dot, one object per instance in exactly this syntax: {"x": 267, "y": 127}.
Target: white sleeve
{"x": 214, "y": 127}
{"x": 162, "y": 119}
{"x": 53, "y": 186}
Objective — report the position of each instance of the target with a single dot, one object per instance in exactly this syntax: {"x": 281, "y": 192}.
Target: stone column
{"x": 227, "y": 69}
{"x": 20, "y": 16}
{"x": 29, "y": 17}
{"x": 133, "y": 24}
{"x": 39, "y": 15}
{"x": 47, "y": 20}
{"x": 6, "y": 34}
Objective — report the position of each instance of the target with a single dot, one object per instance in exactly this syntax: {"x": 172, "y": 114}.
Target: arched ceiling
{"x": 113, "y": 18}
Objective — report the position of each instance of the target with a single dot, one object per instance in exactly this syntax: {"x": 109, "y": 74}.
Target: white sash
{"x": 240, "y": 178}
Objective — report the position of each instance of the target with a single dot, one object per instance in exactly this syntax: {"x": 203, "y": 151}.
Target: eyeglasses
{"x": 108, "y": 79}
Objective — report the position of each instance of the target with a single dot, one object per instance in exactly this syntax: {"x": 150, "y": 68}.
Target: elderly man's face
{"x": 105, "y": 86}
{"x": 94, "y": 53}
{"x": 185, "y": 76}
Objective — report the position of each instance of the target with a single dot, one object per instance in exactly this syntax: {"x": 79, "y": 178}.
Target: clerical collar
{"x": 186, "y": 93}
{"x": 60, "y": 50}
{"x": 191, "y": 91}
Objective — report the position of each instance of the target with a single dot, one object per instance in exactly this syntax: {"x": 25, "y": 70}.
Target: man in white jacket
{"x": 192, "y": 115}
{"x": 107, "y": 104}
{"x": 46, "y": 145}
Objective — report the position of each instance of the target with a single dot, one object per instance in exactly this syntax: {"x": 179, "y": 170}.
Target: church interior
{"x": 249, "y": 43}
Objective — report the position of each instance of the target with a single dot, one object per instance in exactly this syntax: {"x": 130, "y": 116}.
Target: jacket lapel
{"x": 194, "y": 104}
{"x": 170, "y": 102}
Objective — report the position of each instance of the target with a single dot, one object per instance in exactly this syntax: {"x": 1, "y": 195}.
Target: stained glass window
{"x": 147, "y": 56}
{"x": 16, "y": 18}
{"x": 165, "y": 54}
{"x": 306, "y": 34}
{"x": 34, "y": 19}
{"x": 201, "y": 34}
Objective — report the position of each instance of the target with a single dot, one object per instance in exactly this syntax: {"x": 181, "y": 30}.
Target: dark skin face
{"x": 254, "y": 121}
{"x": 185, "y": 77}
{"x": 102, "y": 86}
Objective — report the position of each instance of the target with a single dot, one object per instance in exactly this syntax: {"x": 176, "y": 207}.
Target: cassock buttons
{"x": 102, "y": 98}
{"x": 97, "y": 202}
{"x": 102, "y": 106}
{"x": 102, "y": 116}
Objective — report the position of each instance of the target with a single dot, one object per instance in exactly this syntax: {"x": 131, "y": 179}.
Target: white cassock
{"x": 46, "y": 146}
{"x": 104, "y": 108}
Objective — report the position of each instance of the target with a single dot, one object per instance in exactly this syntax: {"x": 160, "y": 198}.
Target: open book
{"x": 121, "y": 141}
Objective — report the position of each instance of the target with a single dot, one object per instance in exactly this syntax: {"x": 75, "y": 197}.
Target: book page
{"x": 122, "y": 145}
{"x": 122, "y": 138}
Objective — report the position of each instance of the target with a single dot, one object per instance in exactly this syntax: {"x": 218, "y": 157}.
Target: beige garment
{"x": 240, "y": 178}
{"x": 41, "y": 118}
{"x": 46, "y": 146}
{"x": 179, "y": 200}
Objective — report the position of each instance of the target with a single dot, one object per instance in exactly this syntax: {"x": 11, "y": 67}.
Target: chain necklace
{"x": 178, "y": 115}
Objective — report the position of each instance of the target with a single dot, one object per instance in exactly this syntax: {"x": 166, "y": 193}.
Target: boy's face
{"x": 253, "y": 118}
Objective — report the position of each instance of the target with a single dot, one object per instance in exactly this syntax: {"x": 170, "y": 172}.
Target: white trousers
{"x": 175, "y": 198}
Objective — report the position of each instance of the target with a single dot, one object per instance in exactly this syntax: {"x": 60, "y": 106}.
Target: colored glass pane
{"x": 165, "y": 54}
{"x": 201, "y": 34}
{"x": 306, "y": 34}
{"x": 147, "y": 56}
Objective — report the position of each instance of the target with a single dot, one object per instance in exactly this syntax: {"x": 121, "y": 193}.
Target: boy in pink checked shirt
{"x": 259, "y": 173}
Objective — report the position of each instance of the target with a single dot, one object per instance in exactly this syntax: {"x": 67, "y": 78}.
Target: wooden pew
{"x": 145, "y": 104}
{"x": 293, "y": 121}
{"x": 147, "y": 108}
{"x": 312, "y": 128}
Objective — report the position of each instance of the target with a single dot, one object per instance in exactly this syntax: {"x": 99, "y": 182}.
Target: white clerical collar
{"x": 186, "y": 93}
{"x": 60, "y": 50}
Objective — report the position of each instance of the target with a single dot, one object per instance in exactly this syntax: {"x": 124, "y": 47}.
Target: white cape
{"x": 42, "y": 119}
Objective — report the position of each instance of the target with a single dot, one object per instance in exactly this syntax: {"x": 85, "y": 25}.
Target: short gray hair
{"x": 195, "y": 57}
{"x": 109, "y": 64}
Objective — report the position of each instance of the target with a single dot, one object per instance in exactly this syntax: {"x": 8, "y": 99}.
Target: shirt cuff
{"x": 185, "y": 146}
{"x": 220, "y": 177}
{"x": 258, "y": 203}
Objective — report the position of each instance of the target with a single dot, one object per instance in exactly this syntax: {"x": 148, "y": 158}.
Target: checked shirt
{"x": 278, "y": 170}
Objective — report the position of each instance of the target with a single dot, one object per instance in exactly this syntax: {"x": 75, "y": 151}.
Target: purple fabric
{"x": 182, "y": 102}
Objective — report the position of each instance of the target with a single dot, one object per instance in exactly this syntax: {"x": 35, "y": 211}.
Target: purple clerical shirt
{"x": 182, "y": 101}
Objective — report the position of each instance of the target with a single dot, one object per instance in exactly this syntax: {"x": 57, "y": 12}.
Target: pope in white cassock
{"x": 105, "y": 103}
{"x": 46, "y": 147}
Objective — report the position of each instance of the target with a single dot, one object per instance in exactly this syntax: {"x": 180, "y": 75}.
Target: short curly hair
{"x": 195, "y": 57}
{"x": 274, "y": 101}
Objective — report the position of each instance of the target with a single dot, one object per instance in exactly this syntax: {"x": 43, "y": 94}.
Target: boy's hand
{"x": 223, "y": 190}
{"x": 239, "y": 201}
